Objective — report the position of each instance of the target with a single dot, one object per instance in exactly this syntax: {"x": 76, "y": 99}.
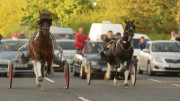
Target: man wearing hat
{"x": 118, "y": 35}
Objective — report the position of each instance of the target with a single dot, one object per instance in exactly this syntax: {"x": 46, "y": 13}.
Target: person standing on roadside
{"x": 80, "y": 39}
{"x": 22, "y": 35}
{"x": 14, "y": 36}
{"x": 173, "y": 36}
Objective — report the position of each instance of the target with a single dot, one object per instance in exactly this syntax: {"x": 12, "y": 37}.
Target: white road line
{"x": 49, "y": 80}
{"x": 154, "y": 80}
{"x": 165, "y": 82}
{"x": 83, "y": 99}
{"x": 176, "y": 85}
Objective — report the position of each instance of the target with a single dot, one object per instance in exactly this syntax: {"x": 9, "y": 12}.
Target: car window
{"x": 165, "y": 47}
{"x": 62, "y": 36}
{"x": 13, "y": 45}
{"x": 93, "y": 47}
{"x": 135, "y": 43}
{"x": 66, "y": 45}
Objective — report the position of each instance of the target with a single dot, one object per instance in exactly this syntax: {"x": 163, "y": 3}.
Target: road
{"x": 156, "y": 88}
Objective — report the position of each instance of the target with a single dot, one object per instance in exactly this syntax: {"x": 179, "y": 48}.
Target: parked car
{"x": 159, "y": 57}
{"x": 81, "y": 60}
{"x": 60, "y": 33}
{"x": 8, "y": 52}
{"x": 69, "y": 50}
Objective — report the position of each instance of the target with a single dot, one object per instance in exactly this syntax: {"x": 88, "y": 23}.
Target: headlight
{"x": 158, "y": 59}
{"x": 94, "y": 63}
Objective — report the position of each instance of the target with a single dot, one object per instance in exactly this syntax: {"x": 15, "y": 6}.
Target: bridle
{"x": 126, "y": 35}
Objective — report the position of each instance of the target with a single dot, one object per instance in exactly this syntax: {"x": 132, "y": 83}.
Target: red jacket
{"x": 80, "y": 40}
{"x": 14, "y": 37}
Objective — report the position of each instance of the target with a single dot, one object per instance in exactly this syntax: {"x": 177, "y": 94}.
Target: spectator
{"x": 22, "y": 35}
{"x": 108, "y": 39}
{"x": 66, "y": 37}
{"x": 74, "y": 32}
{"x": 5, "y": 37}
{"x": 178, "y": 37}
{"x": 118, "y": 35}
{"x": 142, "y": 43}
{"x": 14, "y": 36}
{"x": 0, "y": 37}
{"x": 80, "y": 39}
{"x": 173, "y": 35}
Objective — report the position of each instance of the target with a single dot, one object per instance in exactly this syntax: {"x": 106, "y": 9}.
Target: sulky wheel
{"x": 10, "y": 75}
{"x": 88, "y": 74}
{"x": 67, "y": 75}
{"x": 133, "y": 74}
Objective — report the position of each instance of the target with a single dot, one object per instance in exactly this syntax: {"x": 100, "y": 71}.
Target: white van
{"x": 59, "y": 32}
{"x": 99, "y": 30}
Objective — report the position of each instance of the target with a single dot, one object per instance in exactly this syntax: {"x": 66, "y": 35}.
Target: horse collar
{"x": 118, "y": 42}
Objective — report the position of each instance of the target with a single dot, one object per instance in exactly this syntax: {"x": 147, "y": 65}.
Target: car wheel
{"x": 149, "y": 71}
{"x": 82, "y": 73}
{"x": 74, "y": 73}
{"x": 139, "y": 70}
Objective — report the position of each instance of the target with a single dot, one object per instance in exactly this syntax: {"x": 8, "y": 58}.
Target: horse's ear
{"x": 40, "y": 12}
{"x": 125, "y": 21}
{"x": 133, "y": 21}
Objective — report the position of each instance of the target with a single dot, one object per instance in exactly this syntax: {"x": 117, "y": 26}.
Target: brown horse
{"x": 41, "y": 47}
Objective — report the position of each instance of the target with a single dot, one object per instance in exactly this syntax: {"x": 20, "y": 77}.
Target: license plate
{"x": 174, "y": 66}
{"x": 20, "y": 65}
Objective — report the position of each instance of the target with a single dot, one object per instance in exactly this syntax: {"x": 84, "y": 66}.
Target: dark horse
{"x": 120, "y": 53}
{"x": 41, "y": 47}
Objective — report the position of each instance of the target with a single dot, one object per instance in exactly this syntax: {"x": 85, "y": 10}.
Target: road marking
{"x": 49, "y": 80}
{"x": 154, "y": 80}
{"x": 165, "y": 82}
{"x": 176, "y": 85}
{"x": 82, "y": 98}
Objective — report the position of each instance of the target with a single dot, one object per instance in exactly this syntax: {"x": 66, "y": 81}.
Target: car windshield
{"x": 135, "y": 43}
{"x": 93, "y": 47}
{"x": 166, "y": 47}
{"x": 66, "y": 45}
{"x": 62, "y": 36}
{"x": 13, "y": 45}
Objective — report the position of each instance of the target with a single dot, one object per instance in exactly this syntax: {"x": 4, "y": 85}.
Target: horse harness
{"x": 118, "y": 43}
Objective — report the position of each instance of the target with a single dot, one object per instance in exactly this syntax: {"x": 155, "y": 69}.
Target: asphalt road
{"x": 156, "y": 88}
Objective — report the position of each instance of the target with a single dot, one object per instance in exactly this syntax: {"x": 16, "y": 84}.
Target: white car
{"x": 69, "y": 50}
{"x": 159, "y": 57}
{"x": 60, "y": 33}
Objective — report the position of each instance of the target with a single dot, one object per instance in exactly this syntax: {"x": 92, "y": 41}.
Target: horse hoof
{"x": 126, "y": 86}
{"x": 115, "y": 84}
{"x": 38, "y": 84}
{"x": 105, "y": 78}
{"x": 40, "y": 79}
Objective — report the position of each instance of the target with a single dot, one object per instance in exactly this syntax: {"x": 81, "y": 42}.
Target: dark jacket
{"x": 105, "y": 41}
{"x": 22, "y": 36}
{"x": 142, "y": 45}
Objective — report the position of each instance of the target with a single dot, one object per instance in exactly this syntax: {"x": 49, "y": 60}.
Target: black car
{"x": 81, "y": 60}
{"x": 8, "y": 52}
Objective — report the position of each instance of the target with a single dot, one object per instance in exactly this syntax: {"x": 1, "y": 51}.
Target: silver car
{"x": 159, "y": 57}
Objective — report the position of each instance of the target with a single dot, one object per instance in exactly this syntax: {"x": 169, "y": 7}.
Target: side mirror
{"x": 146, "y": 50}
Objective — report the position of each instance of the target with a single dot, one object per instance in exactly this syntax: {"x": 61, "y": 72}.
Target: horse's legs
{"x": 126, "y": 74}
{"x": 36, "y": 72}
{"x": 49, "y": 71}
{"x": 108, "y": 72}
{"x": 39, "y": 71}
{"x": 115, "y": 78}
